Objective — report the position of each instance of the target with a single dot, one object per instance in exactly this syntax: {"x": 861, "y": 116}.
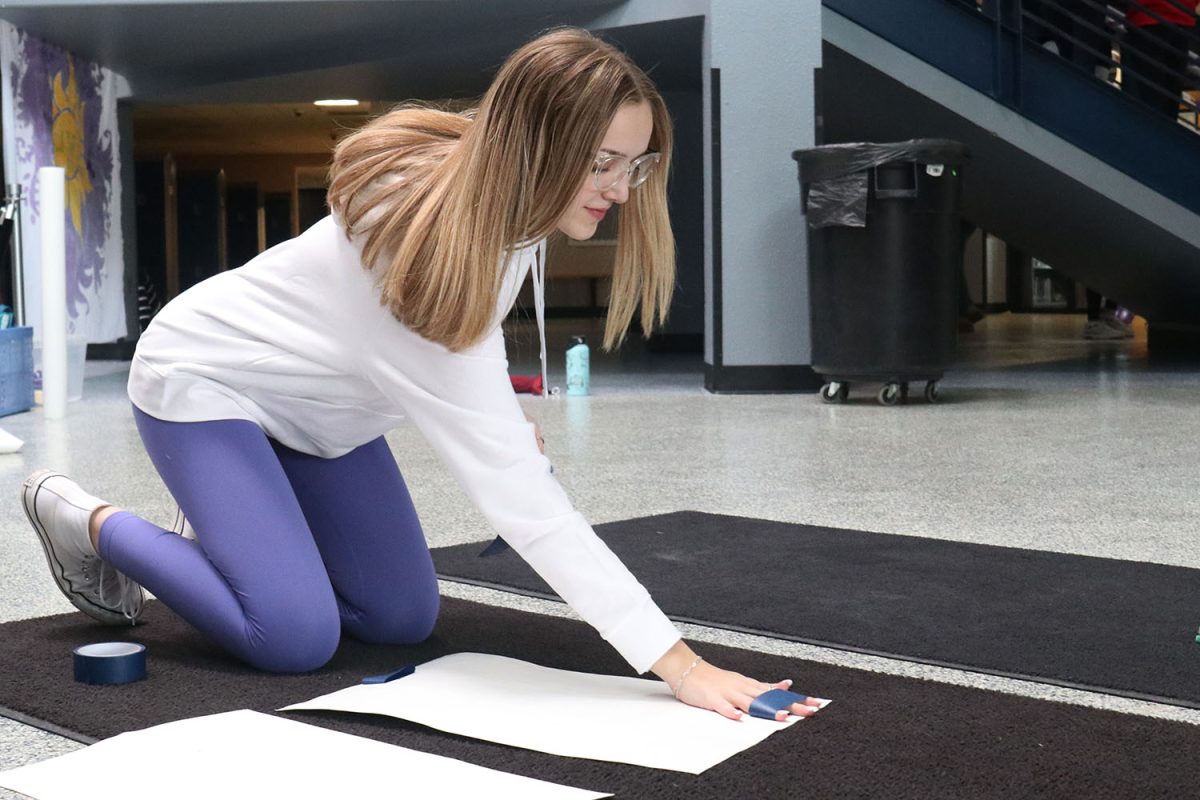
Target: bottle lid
{"x": 577, "y": 340}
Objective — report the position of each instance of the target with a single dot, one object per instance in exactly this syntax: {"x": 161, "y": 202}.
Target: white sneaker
{"x": 60, "y": 511}
{"x": 1097, "y": 329}
{"x": 1124, "y": 328}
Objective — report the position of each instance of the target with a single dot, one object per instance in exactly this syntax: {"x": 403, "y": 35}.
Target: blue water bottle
{"x": 577, "y": 366}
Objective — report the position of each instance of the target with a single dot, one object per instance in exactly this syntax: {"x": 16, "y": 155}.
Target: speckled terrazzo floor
{"x": 1043, "y": 441}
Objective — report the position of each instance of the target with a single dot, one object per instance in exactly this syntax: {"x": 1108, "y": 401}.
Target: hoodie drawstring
{"x": 539, "y": 306}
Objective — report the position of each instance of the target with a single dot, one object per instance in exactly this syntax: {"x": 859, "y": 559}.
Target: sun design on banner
{"x": 67, "y": 134}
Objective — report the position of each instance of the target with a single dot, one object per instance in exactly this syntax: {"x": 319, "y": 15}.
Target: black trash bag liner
{"x": 835, "y": 176}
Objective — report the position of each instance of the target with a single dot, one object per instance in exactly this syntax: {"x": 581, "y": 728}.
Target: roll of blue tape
{"x": 110, "y": 662}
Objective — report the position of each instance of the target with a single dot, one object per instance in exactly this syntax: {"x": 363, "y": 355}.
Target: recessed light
{"x": 342, "y": 102}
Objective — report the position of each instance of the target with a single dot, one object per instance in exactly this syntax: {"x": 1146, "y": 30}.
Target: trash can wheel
{"x": 931, "y": 391}
{"x": 893, "y": 394}
{"x": 835, "y": 392}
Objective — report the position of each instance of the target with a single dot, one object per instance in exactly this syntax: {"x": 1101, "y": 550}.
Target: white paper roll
{"x": 52, "y": 224}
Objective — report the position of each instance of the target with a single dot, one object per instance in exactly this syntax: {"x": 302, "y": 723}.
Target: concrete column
{"x": 758, "y": 63}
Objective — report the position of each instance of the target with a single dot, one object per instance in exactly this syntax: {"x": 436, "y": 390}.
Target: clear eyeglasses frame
{"x": 608, "y": 170}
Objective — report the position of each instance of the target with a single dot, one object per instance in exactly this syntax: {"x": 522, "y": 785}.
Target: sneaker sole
{"x": 29, "y": 492}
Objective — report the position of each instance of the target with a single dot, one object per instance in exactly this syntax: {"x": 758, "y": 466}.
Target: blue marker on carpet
{"x": 404, "y": 671}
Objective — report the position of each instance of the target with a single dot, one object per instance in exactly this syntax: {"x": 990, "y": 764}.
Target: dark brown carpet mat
{"x": 1120, "y": 627}
{"x": 883, "y": 737}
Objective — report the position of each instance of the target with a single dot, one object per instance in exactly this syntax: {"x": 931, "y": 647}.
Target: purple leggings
{"x": 293, "y": 548}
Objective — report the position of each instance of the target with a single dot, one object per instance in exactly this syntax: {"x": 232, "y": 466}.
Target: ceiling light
{"x": 343, "y": 102}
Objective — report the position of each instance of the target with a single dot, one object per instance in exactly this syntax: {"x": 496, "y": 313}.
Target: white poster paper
{"x": 244, "y": 754}
{"x": 51, "y": 184}
{"x": 604, "y": 717}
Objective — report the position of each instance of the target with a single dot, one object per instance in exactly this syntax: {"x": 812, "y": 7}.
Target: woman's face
{"x": 628, "y": 137}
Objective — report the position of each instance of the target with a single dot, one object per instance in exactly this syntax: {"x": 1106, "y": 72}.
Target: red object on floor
{"x": 526, "y": 383}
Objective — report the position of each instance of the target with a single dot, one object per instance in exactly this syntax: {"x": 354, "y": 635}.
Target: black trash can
{"x": 885, "y": 258}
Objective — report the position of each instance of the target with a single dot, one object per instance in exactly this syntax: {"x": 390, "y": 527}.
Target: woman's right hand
{"x": 698, "y": 683}
{"x": 730, "y": 693}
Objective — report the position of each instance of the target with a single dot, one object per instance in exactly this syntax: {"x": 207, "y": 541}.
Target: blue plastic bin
{"x": 16, "y": 370}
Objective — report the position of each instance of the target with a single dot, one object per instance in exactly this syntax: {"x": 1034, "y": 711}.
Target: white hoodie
{"x": 298, "y": 342}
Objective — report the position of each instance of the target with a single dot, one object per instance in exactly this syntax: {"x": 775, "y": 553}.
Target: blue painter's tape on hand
{"x": 768, "y": 704}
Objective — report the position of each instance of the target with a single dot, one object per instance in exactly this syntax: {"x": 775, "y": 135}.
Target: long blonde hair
{"x": 444, "y": 200}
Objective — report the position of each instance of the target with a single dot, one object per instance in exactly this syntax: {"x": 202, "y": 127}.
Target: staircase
{"x": 1064, "y": 166}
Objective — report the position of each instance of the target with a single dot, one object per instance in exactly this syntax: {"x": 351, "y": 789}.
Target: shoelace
{"x": 129, "y": 599}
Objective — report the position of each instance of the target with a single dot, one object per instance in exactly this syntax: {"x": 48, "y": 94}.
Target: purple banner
{"x": 59, "y": 108}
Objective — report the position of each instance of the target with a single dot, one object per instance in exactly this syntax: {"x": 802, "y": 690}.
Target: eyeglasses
{"x": 608, "y": 170}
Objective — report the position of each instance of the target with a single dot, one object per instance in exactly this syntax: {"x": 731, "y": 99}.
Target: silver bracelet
{"x": 686, "y": 672}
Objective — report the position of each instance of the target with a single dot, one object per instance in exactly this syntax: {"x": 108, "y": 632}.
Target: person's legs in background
{"x": 1092, "y": 48}
{"x": 1153, "y": 65}
{"x": 1045, "y": 22}
{"x": 1102, "y": 322}
{"x": 1111, "y": 317}
{"x": 1077, "y": 30}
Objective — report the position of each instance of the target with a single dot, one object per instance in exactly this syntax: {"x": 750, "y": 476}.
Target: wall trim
{"x": 718, "y": 303}
{"x": 765, "y": 379}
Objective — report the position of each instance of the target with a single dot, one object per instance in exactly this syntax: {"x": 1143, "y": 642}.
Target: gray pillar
{"x": 759, "y": 57}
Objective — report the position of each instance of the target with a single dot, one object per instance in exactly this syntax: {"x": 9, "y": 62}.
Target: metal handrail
{"x": 1190, "y": 58}
{"x": 1011, "y": 17}
{"x": 1106, "y": 57}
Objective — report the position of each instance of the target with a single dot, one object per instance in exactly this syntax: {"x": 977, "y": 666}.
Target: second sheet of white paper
{"x": 604, "y": 717}
{"x": 244, "y": 755}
